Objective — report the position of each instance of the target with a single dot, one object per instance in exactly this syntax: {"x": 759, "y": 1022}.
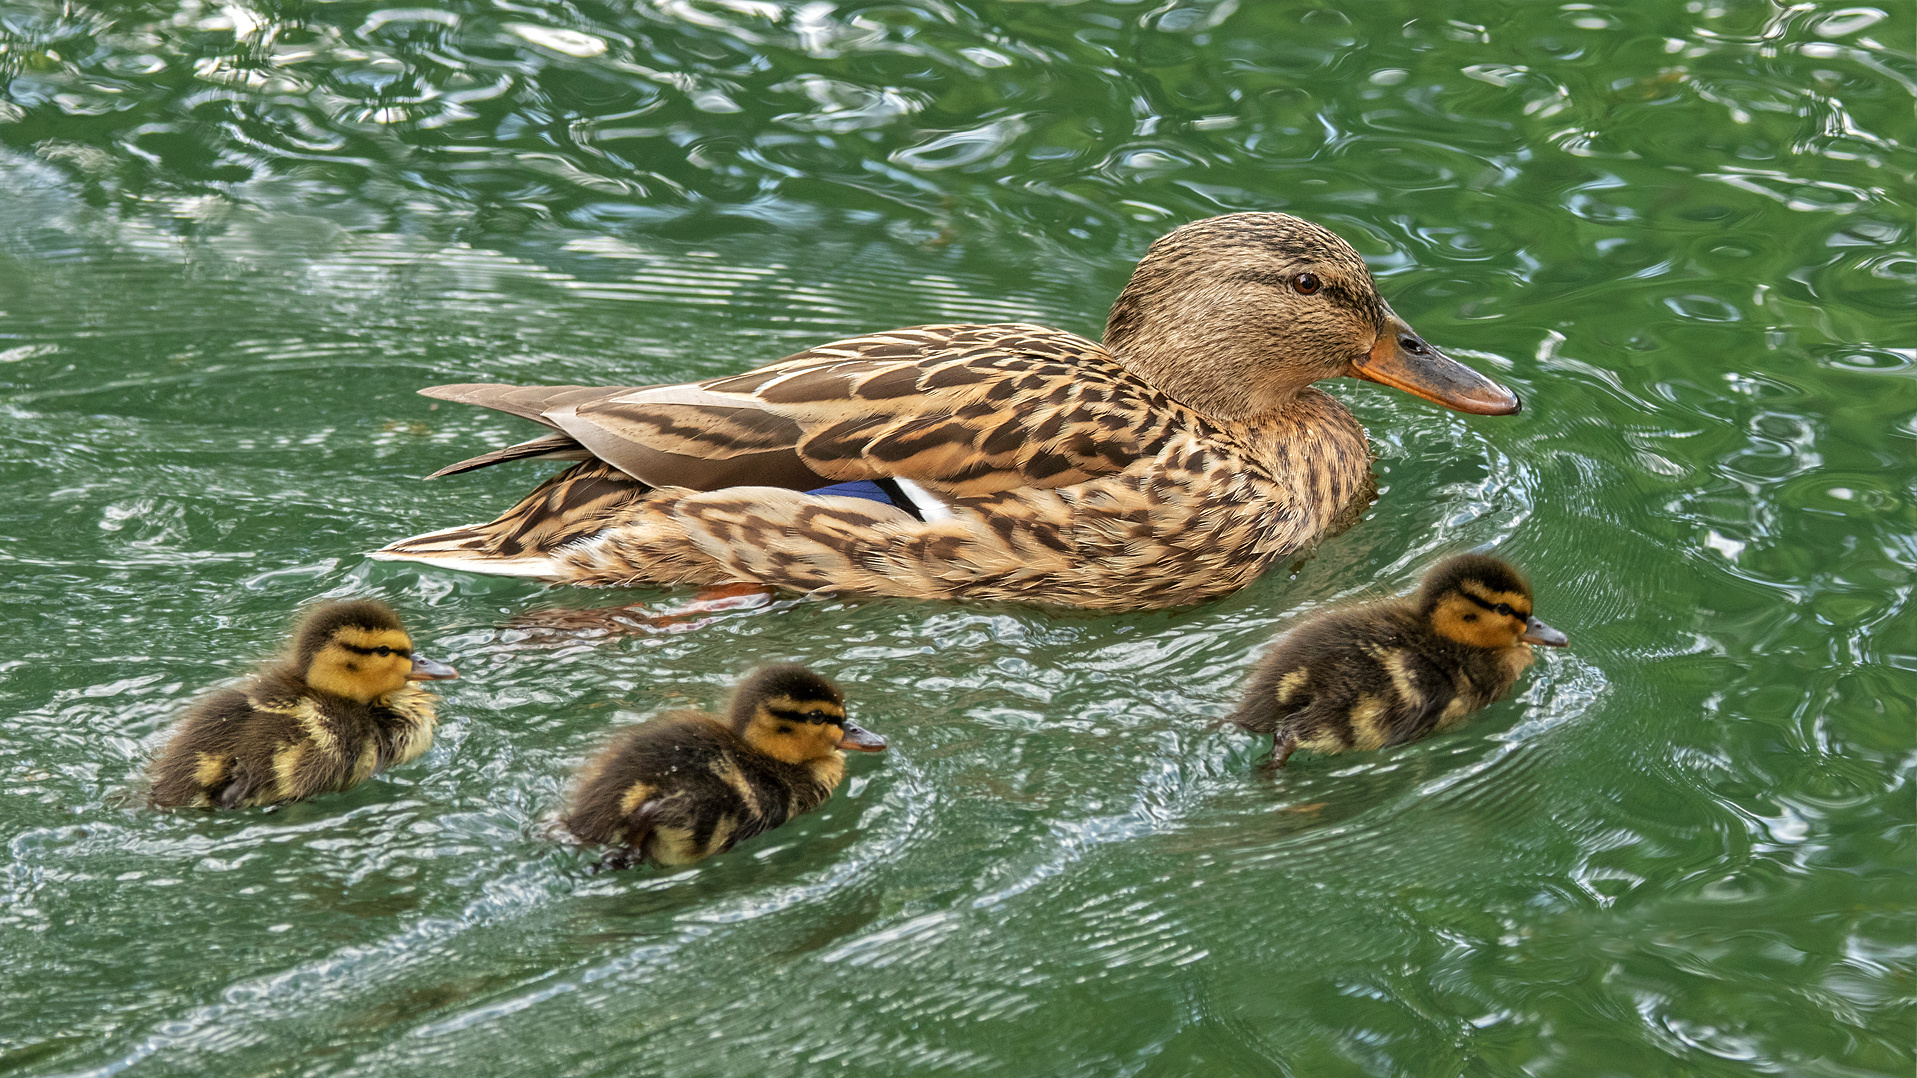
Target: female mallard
{"x": 1170, "y": 465}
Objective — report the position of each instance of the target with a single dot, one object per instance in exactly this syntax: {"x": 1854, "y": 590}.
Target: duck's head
{"x": 1235, "y": 315}
{"x": 792, "y": 714}
{"x": 1483, "y": 602}
{"x": 359, "y": 650}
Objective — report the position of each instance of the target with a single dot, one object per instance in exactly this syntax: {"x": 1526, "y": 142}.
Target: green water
{"x": 234, "y": 239}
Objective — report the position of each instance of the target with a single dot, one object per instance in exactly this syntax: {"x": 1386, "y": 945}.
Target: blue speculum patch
{"x": 862, "y": 488}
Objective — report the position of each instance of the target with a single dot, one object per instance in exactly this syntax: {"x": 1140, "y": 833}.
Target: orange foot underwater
{"x": 696, "y": 613}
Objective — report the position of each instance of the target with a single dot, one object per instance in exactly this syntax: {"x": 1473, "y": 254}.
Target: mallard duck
{"x": 1386, "y": 673}
{"x": 1169, "y": 465}
{"x": 336, "y": 709}
{"x": 688, "y": 785}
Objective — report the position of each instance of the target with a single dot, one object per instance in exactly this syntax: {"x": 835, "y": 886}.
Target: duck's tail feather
{"x": 546, "y": 447}
{"x": 572, "y": 505}
{"x": 526, "y": 402}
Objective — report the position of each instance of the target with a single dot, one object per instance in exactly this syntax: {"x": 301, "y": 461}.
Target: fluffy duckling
{"x": 688, "y": 785}
{"x": 1392, "y": 672}
{"x": 339, "y": 707}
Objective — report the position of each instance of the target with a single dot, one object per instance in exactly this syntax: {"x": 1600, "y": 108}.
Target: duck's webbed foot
{"x": 620, "y": 859}
{"x": 716, "y": 599}
{"x": 711, "y": 600}
{"x": 1282, "y": 746}
{"x": 638, "y": 829}
{"x": 239, "y": 788}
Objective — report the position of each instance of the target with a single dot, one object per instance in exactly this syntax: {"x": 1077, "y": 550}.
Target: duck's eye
{"x": 1503, "y": 609}
{"x": 1305, "y": 283}
{"x": 382, "y": 651}
{"x": 817, "y": 716}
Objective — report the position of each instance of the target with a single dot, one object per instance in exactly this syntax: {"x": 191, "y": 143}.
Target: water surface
{"x": 235, "y": 238}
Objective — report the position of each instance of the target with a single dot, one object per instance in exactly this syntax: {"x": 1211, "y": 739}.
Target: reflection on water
{"x": 236, "y": 238}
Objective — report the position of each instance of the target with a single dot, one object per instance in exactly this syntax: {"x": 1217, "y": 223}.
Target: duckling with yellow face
{"x": 688, "y": 785}
{"x": 1386, "y": 673}
{"x": 341, "y": 706}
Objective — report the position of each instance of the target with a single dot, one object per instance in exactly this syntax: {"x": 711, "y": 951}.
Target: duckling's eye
{"x": 382, "y": 651}
{"x": 817, "y": 716}
{"x": 1503, "y": 609}
{"x": 1305, "y": 283}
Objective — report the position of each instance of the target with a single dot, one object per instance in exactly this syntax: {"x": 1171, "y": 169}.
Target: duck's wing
{"x": 968, "y": 409}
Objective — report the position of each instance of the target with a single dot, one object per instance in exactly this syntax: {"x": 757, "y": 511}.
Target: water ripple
{"x": 238, "y": 238}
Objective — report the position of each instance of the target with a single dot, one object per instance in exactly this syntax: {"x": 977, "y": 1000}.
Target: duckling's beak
{"x": 859, "y": 739}
{"x": 1537, "y": 632}
{"x": 425, "y": 669}
{"x": 1402, "y": 360}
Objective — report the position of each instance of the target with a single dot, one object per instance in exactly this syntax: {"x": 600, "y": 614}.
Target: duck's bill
{"x": 858, "y": 739}
{"x": 425, "y": 669}
{"x": 1402, "y": 360}
{"x": 1537, "y": 632}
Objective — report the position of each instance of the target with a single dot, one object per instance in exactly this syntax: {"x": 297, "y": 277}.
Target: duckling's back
{"x": 682, "y": 788}
{"x": 202, "y": 759}
{"x": 274, "y": 739}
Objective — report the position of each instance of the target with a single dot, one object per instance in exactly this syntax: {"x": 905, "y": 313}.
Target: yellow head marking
{"x": 360, "y": 663}
{"x": 1517, "y": 601}
{"x": 1480, "y": 617}
{"x": 796, "y": 730}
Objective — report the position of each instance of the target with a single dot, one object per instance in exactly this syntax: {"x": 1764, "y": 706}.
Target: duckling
{"x": 1392, "y": 672}
{"x": 337, "y": 708}
{"x": 688, "y": 785}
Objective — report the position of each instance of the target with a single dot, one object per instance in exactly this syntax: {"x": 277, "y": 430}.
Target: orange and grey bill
{"x": 425, "y": 669}
{"x": 859, "y": 739}
{"x": 1537, "y": 632}
{"x": 1402, "y": 360}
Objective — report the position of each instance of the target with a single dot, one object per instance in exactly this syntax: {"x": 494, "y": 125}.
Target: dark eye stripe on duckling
{"x": 404, "y": 653}
{"x": 812, "y": 716}
{"x": 1496, "y": 608}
